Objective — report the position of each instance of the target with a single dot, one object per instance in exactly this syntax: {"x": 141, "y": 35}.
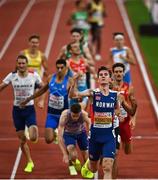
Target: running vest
{"x": 79, "y": 67}
{"x": 34, "y": 63}
{"x": 23, "y": 86}
{"x": 74, "y": 127}
{"x": 58, "y": 96}
{"x": 116, "y": 53}
{"x": 103, "y": 109}
{"x": 97, "y": 13}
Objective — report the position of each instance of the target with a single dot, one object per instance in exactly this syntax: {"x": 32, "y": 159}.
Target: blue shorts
{"x": 98, "y": 149}
{"x": 80, "y": 139}
{"x": 52, "y": 121}
{"x": 22, "y": 117}
{"x": 127, "y": 77}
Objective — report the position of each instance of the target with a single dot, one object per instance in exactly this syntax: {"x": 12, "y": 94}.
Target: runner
{"x": 72, "y": 132}
{"x": 24, "y": 83}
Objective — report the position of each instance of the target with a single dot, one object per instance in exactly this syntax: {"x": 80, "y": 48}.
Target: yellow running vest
{"x": 34, "y": 63}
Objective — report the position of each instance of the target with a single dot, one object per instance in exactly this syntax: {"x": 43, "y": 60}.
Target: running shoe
{"x": 85, "y": 172}
{"x": 29, "y": 167}
{"x": 77, "y": 165}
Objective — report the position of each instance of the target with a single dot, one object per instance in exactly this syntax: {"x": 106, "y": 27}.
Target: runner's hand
{"x": 66, "y": 158}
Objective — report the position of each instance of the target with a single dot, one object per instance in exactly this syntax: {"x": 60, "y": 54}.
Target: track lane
{"x": 8, "y": 18}
{"x": 47, "y": 166}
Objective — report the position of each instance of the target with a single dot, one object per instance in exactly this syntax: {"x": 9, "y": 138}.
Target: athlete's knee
{"x": 107, "y": 165}
{"x": 72, "y": 152}
{"x": 49, "y": 140}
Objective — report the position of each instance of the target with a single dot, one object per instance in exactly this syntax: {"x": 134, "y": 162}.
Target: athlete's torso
{"x": 103, "y": 109}
{"x": 72, "y": 126}
{"x": 97, "y": 15}
{"x": 79, "y": 67}
{"x": 23, "y": 86}
{"x": 123, "y": 90}
{"x": 34, "y": 63}
{"x": 58, "y": 97}
{"x": 116, "y": 53}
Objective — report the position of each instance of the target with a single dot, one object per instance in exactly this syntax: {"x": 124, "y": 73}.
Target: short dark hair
{"x": 104, "y": 68}
{"x": 36, "y": 36}
{"x": 21, "y": 56}
{"x": 78, "y": 30}
{"x": 61, "y": 61}
{"x": 118, "y": 65}
{"x": 75, "y": 108}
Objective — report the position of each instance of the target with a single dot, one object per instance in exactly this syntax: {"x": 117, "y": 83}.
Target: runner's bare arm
{"x": 3, "y": 86}
{"x": 131, "y": 109}
{"x": 87, "y": 120}
{"x": 60, "y": 136}
{"x": 45, "y": 65}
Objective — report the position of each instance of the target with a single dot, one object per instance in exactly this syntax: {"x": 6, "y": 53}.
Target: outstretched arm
{"x": 3, "y": 86}
{"x": 38, "y": 93}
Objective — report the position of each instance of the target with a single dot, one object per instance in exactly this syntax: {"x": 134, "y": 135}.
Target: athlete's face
{"x": 75, "y": 49}
{"x": 104, "y": 77}
{"x": 76, "y": 37}
{"x": 34, "y": 43}
{"x": 118, "y": 73}
{"x": 119, "y": 42}
{"x": 60, "y": 69}
{"x": 21, "y": 65}
{"x": 75, "y": 116}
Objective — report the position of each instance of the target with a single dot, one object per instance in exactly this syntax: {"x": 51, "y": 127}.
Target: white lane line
{"x": 16, "y": 27}
{"x": 47, "y": 51}
{"x": 145, "y": 137}
{"x": 54, "y": 27}
{"x": 2, "y": 2}
{"x": 16, "y": 164}
{"x": 138, "y": 54}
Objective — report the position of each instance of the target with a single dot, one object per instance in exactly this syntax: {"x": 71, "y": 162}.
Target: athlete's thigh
{"x": 95, "y": 150}
{"x": 109, "y": 148}
{"x": 30, "y": 116}
{"x": 52, "y": 121}
{"x": 69, "y": 139}
{"x": 82, "y": 141}
{"x": 19, "y": 122}
{"x": 125, "y": 132}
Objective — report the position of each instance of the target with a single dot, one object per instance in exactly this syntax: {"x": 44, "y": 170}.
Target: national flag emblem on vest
{"x": 97, "y": 98}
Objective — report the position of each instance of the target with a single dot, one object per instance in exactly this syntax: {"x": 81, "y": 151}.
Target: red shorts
{"x": 125, "y": 131}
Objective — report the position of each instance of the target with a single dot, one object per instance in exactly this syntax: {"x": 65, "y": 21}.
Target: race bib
{"x": 56, "y": 102}
{"x": 103, "y": 120}
{"x": 21, "y": 95}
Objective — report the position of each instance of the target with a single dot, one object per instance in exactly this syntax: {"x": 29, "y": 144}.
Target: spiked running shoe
{"x": 77, "y": 165}
{"x": 85, "y": 172}
{"x": 29, "y": 167}
{"x": 72, "y": 170}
